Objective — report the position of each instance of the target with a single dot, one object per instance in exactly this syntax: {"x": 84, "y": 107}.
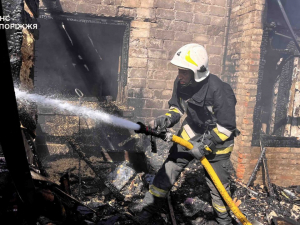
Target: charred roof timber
{"x": 277, "y": 67}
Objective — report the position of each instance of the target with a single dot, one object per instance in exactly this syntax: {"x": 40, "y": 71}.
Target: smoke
{"x": 86, "y": 112}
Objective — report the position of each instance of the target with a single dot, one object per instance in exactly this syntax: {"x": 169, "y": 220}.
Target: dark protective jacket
{"x": 210, "y": 101}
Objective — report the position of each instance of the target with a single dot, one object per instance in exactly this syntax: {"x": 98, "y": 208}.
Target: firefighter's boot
{"x": 144, "y": 210}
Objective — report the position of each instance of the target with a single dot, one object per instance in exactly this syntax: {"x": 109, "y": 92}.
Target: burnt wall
{"x": 157, "y": 30}
{"x": 265, "y": 93}
{"x": 21, "y": 52}
{"x": 241, "y": 71}
{"x": 14, "y": 9}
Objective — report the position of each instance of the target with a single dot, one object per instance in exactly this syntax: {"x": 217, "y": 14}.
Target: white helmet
{"x": 193, "y": 57}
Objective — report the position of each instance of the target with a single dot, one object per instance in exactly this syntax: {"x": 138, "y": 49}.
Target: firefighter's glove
{"x": 199, "y": 150}
{"x": 161, "y": 122}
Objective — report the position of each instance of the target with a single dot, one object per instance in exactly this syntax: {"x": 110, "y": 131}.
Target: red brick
{"x": 183, "y": 36}
{"x": 131, "y": 3}
{"x": 201, "y": 39}
{"x": 178, "y": 26}
{"x": 169, "y": 85}
{"x": 218, "y": 41}
{"x": 295, "y": 150}
{"x": 138, "y": 52}
{"x": 138, "y": 42}
{"x": 142, "y": 93}
{"x": 156, "y": 84}
{"x": 137, "y": 73}
{"x": 137, "y": 62}
{"x": 143, "y": 33}
{"x": 87, "y": 8}
{"x": 157, "y": 54}
{"x": 202, "y": 19}
{"x": 196, "y": 28}
{"x": 143, "y": 113}
{"x": 163, "y": 24}
{"x": 165, "y": 4}
{"x": 184, "y": 16}
{"x": 215, "y": 69}
{"x": 147, "y": 3}
{"x": 285, "y": 178}
{"x": 157, "y": 64}
{"x": 162, "y": 94}
{"x": 165, "y": 14}
{"x": 183, "y": 6}
{"x": 218, "y": 21}
{"x": 219, "y": 2}
{"x": 140, "y": 24}
{"x": 147, "y": 13}
{"x": 215, "y": 30}
{"x": 107, "y": 10}
{"x": 107, "y": 2}
{"x": 157, "y": 104}
{"x": 126, "y": 12}
{"x": 136, "y": 83}
{"x": 201, "y": 8}
{"x": 68, "y": 6}
{"x": 155, "y": 43}
{"x": 164, "y": 34}
{"x": 217, "y": 50}
{"x": 136, "y": 102}
{"x": 162, "y": 74}
{"x": 215, "y": 60}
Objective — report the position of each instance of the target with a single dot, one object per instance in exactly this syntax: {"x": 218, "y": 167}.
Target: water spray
{"x": 80, "y": 96}
{"x": 82, "y": 111}
{"x": 138, "y": 128}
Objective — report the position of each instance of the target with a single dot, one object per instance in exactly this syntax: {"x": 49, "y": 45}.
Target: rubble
{"x": 189, "y": 201}
{"x": 91, "y": 195}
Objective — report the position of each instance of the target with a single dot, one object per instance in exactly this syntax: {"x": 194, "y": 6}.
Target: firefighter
{"x": 209, "y": 104}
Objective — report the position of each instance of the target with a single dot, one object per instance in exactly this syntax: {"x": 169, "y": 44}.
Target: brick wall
{"x": 158, "y": 29}
{"x": 241, "y": 71}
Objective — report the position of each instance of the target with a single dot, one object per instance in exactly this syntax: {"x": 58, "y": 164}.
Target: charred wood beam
{"x": 14, "y": 9}
{"x": 99, "y": 174}
{"x": 288, "y": 24}
{"x": 33, "y": 5}
{"x": 173, "y": 218}
{"x": 262, "y": 159}
{"x": 10, "y": 135}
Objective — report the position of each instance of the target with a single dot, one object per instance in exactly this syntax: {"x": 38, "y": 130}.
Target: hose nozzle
{"x": 147, "y": 130}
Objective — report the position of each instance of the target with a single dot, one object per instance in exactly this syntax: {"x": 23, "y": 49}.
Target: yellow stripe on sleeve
{"x": 222, "y": 136}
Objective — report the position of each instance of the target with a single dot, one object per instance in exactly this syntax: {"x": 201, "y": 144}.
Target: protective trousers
{"x": 168, "y": 174}
{"x": 222, "y": 169}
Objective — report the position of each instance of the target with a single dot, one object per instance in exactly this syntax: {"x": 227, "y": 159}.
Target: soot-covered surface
{"x": 190, "y": 196}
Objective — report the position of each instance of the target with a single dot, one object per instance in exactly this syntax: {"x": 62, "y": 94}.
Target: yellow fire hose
{"x": 216, "y": 181}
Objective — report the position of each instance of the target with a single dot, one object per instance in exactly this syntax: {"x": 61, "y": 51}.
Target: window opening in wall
{"x": 277, "y": 111}
{"x": 76, "y": 51}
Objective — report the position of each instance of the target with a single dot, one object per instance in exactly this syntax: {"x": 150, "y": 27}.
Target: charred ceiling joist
{"x": 10, "y": 138}
{"x": 275, "y": 108}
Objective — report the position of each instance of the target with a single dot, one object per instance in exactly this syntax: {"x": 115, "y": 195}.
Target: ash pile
{"x": 189, "y": 200}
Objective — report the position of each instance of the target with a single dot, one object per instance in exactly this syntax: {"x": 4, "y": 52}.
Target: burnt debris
{"x": 189, "y": 198}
